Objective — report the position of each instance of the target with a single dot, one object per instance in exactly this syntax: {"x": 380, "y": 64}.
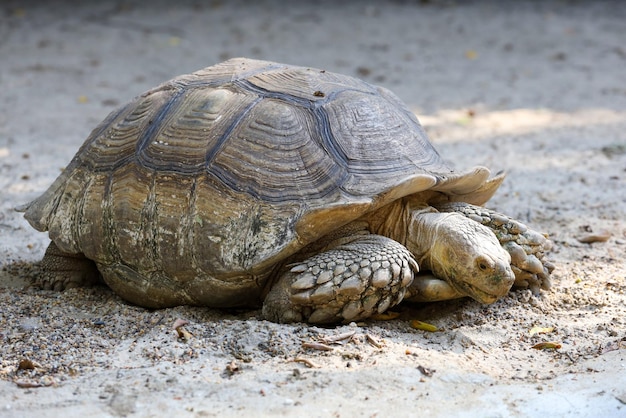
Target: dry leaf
{"x": 423, "y": 326}
{"x": 385, "y": 316}
{"x": 547, "y": 346}
{"x": 471, "y": 54}
{"x": 26, "y": 364}
{"x": 601, "y": 236}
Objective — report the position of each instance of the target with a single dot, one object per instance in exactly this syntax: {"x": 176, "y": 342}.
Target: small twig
{"x": 612, "y": 347}
{"x": 306, "y": 362}
{"x": 27, "y": 384}
{"x": 317, "y": 346}
{"x": 569, "y": 356}
{"x": 373, "y": 341}
{"x": 336, "y": 338}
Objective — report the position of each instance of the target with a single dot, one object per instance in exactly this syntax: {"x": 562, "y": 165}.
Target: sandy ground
{"x": 537, "y": 89}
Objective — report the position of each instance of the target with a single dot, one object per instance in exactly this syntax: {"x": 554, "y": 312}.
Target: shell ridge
{"x": 221, "y": 142}
{"x": 249, "y": 86}
{"x": 191, "y": 218}
{"x": 94, "y": 135}
{"x": 328, "y": 139}
{"x": 79, "y": 212}
{"x": 156, "y": 123}
{"x": 107, "y": 218}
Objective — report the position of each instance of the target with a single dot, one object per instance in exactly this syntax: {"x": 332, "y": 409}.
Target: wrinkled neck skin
{"x": 410, "y": 224}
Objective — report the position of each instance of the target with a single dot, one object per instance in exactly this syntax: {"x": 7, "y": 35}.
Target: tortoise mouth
{"x": 481, "y": 296}
{"x": 494, "y": 286}
{"x": 476, "y": 293}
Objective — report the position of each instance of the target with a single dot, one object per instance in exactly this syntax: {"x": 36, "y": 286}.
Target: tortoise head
{"x": 465, "y": 254}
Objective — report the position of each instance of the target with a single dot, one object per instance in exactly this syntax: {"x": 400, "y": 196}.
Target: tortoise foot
{"x": 428, "y": 288}
{"x": 61, "y": 271}
{"x": 349, "y": 282}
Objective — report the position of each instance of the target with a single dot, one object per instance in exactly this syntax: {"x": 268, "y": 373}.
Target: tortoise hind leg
{"x": 526, "y": 246}
{"x": 354, "y": 279}
{"x": 62, "y": 271}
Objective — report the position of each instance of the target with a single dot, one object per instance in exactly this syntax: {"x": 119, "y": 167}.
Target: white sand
{"x": 535, "y": 88}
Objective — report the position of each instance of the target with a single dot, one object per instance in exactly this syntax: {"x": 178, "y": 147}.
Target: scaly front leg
{"x": 350, "y": 280}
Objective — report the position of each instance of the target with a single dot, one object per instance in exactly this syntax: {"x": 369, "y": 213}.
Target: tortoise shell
{"x": 210, "y": 180}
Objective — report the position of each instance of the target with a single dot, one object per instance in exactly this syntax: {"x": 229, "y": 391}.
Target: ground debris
{"x": 425, "y": 371}
{"x": 27, "y": 364}
{"x": 317, "y": 346}
{"x": 373, "y": 341}
{"x": 183, "y": 334}
{"x": 549, "y": 345}
{"x": 44, "y": 381}
{"x": 334, "y": 339}
{"x": 415, "y": 324}
{"x": 305, "y": 361}
{"x": 231, "y": 369}
{"x": 601, "y": 236}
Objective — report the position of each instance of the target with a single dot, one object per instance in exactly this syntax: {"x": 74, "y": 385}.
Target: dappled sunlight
{"x": 453, "y": 125}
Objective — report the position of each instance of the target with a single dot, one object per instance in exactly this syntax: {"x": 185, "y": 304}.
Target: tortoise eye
{"x": 483, "y": 263}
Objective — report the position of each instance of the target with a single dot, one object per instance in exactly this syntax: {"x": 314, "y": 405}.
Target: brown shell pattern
{"x": 218, "y": 171}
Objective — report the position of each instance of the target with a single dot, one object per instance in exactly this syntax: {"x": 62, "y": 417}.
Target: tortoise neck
{"x": 422, "y": 233}
{"x": 391, "y": 221}
{"x": 410, "y": 222}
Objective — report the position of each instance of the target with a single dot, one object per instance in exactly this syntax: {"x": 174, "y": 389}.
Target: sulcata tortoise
{"x": 249, "y": 182}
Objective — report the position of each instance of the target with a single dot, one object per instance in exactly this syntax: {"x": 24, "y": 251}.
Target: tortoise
{"x": 315, "y": 194}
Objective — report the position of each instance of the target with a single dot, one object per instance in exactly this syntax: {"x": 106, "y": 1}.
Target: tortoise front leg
{"x": 353, "y": 280}
{"x": 428, "y": 288}
{"x": 62, "y": 271}
{"x": 526, "y": 246}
